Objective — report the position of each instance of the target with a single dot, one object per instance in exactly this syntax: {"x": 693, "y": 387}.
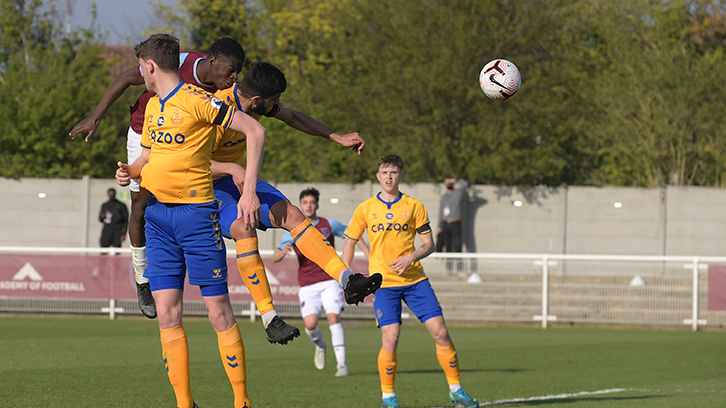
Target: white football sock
{"x": 338, "y": 341}
{"x": 316, "y": 336}
{"x": 138, "y": 256}
{"x": 344, "y": 277}
{"x": 267, "y": 317}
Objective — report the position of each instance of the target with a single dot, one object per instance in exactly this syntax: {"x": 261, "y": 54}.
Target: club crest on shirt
{"x": 405, "y": 215}
{"x": 389, "y": 216}
{"x": 325, "y": 231}
{"x": 160, "y": 121}
{"x": 177, "y": 117}
{"x": 216, "y": 103}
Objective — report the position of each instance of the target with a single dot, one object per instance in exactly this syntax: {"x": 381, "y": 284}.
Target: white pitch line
{"x": 552, "y": 397}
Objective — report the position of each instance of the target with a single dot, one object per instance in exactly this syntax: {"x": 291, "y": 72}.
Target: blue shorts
{"x": 228, "y": 195}
{"x": 419, "y": 297}
{"x": 181, "y": 238}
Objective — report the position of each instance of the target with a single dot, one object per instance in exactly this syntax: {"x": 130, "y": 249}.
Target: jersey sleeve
{"x": 338, "y": 228}
{"x": 420, "y": 216}
{"x": 211, "y": 109}
{"x": 286, "y": 239}
{"x": 357, "y": 224}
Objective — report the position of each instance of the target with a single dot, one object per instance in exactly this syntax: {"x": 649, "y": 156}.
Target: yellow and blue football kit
{"x": 182, "y": 218}
{"x": 392, "y": 228}
{"x": 231, "y": 148}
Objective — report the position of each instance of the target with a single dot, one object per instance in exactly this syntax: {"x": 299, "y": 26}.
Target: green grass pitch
{"x": 65, "y": 361}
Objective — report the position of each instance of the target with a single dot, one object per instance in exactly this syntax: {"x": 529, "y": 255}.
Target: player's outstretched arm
{"x": 89, "y": 125}
{"x": 305, "y": 123}
{"x": 427, "y": 248}
{"x": 248, "y": 206}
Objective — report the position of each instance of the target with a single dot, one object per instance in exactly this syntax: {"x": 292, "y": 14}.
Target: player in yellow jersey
{"x": 392, "y": 220}
{"x": 182, "y": 218}
{"x": 213, "y": 71}
{"x": 258, "y": 94}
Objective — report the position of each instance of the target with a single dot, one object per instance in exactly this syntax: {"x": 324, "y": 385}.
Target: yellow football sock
{"x": 175, "y": 351}
{"x": 253, "y": 273}
{"x": 318, "y": 249}
{"x": 449, "y": 363}
{"x": 232, "y": 351}
{"x": 387, "y": 364}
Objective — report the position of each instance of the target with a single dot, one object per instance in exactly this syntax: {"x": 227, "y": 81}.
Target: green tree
{"x": 658, "y": 102}
{"x": 199, "y": 23}
{"x": 49, "y": 80}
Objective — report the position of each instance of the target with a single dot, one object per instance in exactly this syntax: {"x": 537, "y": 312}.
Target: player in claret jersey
{"x": 317, "y": 288}
{"x": 182, "y": 218}
{"x": 210, "y": 72}
{"x": 392, "y": 219}
{"x": 258, "y": 94}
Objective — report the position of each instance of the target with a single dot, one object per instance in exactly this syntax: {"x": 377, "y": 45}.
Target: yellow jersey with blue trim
{"x": 180, "y": 131}
{"x": 232, "y": 145}
{"x": 391, "y": 228}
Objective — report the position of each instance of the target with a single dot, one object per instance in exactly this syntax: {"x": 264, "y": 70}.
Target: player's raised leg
{"x": 250, "y": 264}
{"x": 318, "y": 249}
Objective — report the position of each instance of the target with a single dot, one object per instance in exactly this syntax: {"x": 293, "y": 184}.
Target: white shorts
{"x": 133, "y": 152}
{"x": 327, "y": 294}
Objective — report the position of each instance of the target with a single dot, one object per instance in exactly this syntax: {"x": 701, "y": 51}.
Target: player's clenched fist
{"x": 122, "y": 175}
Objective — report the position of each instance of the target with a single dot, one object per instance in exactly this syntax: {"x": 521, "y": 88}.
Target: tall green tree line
{"x": 613, "y": 93}
{"x": 49, "y": 80}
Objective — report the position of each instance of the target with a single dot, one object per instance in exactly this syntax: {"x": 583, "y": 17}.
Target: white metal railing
{"x": 602, "y": 289}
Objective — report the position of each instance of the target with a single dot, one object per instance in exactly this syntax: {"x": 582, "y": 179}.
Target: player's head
{"x": 162, "y": 49}
{"x": 158, "y": 55}
{"x": 226, "y": 58}
{"x": 309, "y": 199}
{"x": 390, "y": 173}
{"x": 262, "y": 85}
{"x": 111, "y": 192}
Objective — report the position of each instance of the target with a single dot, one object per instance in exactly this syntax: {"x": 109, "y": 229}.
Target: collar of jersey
{"x": 172, "y": 93}
{"x": 236, "y": 98}
{"x": 389, "y": 205}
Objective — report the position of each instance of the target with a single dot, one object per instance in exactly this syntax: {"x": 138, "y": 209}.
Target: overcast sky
{"x": 122, "y": 20}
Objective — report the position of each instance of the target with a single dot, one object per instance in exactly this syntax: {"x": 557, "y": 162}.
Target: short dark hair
{"x": 311, "y": 191}
{"x": 263, "y": 79}
{"x": 163, "y": 49}
{"x": 227, "y": 48}
{"x": 391, "y": 160}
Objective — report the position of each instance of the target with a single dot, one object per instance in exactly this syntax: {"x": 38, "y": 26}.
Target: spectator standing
{"x": 115, "y": 218}
{"x": 452, "y": 209}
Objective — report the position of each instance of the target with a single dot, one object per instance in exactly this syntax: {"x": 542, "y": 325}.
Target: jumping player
{"x": 392, "y": 220}
{"x": 316, "y": 287}
{"x": 218, "y": 70}
{"x": 182, "y": 218}
{"x": 257, "y": 94}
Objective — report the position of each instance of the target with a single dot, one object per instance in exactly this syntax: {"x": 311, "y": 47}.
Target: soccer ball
{"x": 500, "y": 79}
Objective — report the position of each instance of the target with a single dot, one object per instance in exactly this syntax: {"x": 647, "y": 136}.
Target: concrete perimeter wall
{"x": 573, "y": 220}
